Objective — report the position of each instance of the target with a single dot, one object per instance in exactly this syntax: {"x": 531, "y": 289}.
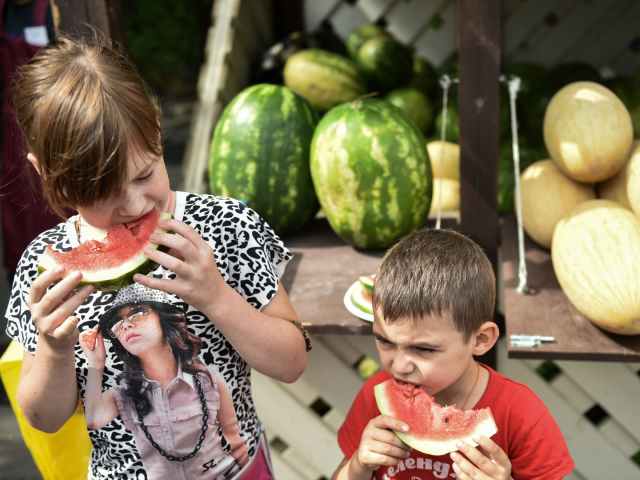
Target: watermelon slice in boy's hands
{"x": 110, "y": 264}
{"x": 432, "y": 429}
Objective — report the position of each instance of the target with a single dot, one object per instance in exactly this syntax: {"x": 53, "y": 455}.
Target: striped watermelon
{"x": 414, "y": 103}
{"x": 361, "y": 34}
{"x": 386, "y": 63}
{"x": 371, "y": 172}
{"x": 260, "y": 153}
{"x": 325, "y": 79}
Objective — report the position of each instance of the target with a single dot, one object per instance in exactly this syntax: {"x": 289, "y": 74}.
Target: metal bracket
{"x": 529, "y": 340}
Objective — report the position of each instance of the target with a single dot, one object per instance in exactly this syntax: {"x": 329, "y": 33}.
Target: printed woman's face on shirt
{"x": 140, "y": 332}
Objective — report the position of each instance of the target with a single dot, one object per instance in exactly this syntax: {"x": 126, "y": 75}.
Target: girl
{"x": 94, "y": 136}
{"x": 160, "y": 358}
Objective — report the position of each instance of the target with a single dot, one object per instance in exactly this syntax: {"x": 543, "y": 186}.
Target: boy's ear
{"x": 485, "y": 338}
{"x": 34, "y": 161}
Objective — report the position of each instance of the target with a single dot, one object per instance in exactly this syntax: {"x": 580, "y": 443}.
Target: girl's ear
{"x": 34, "y": 161}
{"x": 485, "y": 338}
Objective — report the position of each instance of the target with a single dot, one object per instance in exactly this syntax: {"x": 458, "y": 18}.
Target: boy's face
{"x": 147, "y": 189}
{"x": 428, "y": 352}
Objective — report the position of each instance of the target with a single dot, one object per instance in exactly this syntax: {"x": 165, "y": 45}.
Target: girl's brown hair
{"x": 436, "y": 272}
{"x": 82, "y": 107}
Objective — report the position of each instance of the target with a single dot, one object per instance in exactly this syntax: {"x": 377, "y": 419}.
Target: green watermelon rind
{"x": 486, "y": 427}
{"x": 260, "y": 153}
{"x": 386, "y": 63}
{"x": 359, "y": 302}
{"x": 366, "y": 283}
{"x": 361, "y": 34}
{"x": 111, "y": 283}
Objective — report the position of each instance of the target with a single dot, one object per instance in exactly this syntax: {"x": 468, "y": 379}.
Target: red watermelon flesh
{"x": 432, "y": 429}
{"x": 111, "y": 263}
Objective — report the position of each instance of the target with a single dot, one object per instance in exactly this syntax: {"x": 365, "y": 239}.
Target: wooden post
{"x": 76, "y": 16}
{"x": 479, "y": 104}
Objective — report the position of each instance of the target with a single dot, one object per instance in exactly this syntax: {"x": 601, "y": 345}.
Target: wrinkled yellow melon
{"x": 588, "y": 131}
{"x": 633, "y": 181}
{"x": 615, "y": 189}
{"x": 450, "y": 195}
{"x": 595, "y": 254}
{"x": 547, "y": 196}
{"x": 451, "y": 163}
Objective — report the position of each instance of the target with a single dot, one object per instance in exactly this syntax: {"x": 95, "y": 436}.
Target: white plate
{"x": 352, "y": 308}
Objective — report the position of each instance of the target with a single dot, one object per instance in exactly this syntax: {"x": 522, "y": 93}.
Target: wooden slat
{"x": 281, "y": 468}
{"x": 437, "y": 46}
{"x": 603, "y": 381}
{"x": 316, "y": 12}
{"x": 573, "y": 394}
{"x": 550, "y": 313}
{"x": 342, "y": 348}
{"x": 588, "y": 447}
{"x": 624, "y": 442}
{"x": 296, "y": 425}
{"x": 366, "y": 344}
{"x": 346, "y": 18}
{"x": 479, "y": 40}
{"x": 207, "y": 110}
{"x": 406, "y": 19}
{"x": 374, "y": 9}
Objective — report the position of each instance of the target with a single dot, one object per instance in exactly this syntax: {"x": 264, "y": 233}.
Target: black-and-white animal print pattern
{"x": 248, "y": 254}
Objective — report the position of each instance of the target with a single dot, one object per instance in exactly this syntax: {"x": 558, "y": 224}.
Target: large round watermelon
{"x": 628, "y": 90}
{"x": 361, "y": 34}
{"x": 371, "y": 172}
{"x": 386, "y": 63}
{"x": 260, "y": 153}
{"x": 325, "y": 79}
{"x": 414, "y": 103}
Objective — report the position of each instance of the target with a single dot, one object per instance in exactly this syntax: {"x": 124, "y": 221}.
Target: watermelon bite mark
{"x": 432, "y": 429}
{"x": 110, "y": 264}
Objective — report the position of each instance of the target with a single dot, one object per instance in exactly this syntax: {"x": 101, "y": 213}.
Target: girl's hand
{"x": 198, "y": 280}
{"x": 52, "y": 311}
{"x": 92, "y": 345}
{"x": 486, "y": 461}
{"x": 379, "y": 445}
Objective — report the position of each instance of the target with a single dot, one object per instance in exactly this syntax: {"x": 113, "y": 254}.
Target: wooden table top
{"x": 548, "y": 312}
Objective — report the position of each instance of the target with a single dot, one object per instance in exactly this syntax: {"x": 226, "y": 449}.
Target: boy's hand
{"x": 191, "y": 259}
{"x": 379, "y": 445}
{"x": 52, "y": 310}
{"x": 486, "y": 461}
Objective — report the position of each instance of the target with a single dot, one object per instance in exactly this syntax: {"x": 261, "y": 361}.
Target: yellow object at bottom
{"x": 63, "y": 455}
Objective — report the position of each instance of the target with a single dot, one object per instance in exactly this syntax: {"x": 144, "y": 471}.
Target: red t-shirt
{"x": 527, "y": 433}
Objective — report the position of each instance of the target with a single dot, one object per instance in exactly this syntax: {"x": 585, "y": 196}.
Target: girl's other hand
{"x": 52, "y": 310}
{"x": 92, "y": 345}
{"x": 198, "y": 280}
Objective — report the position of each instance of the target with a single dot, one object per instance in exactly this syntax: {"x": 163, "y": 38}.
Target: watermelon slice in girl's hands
{"x": 432, "y": 429}
{"x": 110, "y": 264}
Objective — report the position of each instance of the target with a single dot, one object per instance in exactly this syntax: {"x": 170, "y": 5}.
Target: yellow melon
{"x": 547, "y": 196}
{"x": 450, "y": 195}
{"x": 451, "y": 164}
{"x": 596, "y": 254}
{"x": 588, "y": 131}
{"x": 633, "y": 181}
{"x": 615, "y": 189}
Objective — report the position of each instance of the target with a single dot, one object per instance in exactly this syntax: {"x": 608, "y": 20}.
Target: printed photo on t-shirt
{"x": 178, "y": 410}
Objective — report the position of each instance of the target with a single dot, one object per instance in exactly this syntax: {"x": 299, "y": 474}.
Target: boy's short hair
{"x": 432, "y": 272}
{"x": 82, "y": 107}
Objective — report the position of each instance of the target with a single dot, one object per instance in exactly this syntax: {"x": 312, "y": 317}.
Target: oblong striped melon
{"x": 596, "y": 255}
{"x": 371, "y": 172}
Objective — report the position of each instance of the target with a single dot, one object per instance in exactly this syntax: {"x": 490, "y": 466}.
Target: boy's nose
{"x": 403, "y": 365}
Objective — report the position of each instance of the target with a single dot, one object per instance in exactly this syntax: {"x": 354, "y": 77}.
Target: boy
{"x": 433, "y": 302}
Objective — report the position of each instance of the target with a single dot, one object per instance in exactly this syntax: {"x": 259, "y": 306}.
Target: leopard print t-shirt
{"x": 251, "y": 259}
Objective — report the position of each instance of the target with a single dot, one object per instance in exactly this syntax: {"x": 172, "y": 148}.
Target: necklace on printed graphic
{"x": 205, "y": 427}
{"x": 472, "y": 389}
{"x": 79, "y": 220}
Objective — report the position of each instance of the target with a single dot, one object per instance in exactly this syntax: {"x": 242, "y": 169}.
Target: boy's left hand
{"x": 193, "y": 261}
{"x": 486, "y": 461}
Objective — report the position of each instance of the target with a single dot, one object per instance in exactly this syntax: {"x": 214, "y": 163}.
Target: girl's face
{"x": 140, "y": 332}
{"x": 147, "y": 189}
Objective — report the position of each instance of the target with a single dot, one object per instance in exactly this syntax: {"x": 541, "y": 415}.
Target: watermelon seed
{"x": 446, "y": 419}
